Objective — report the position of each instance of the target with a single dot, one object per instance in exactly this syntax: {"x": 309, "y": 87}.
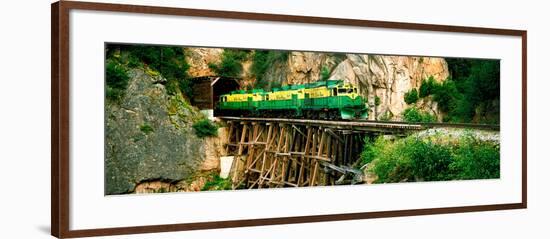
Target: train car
{"x": 318, "y": 100}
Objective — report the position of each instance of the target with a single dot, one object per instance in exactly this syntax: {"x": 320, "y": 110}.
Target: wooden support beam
{"x": 334, "y": 135}
{"x": 264, "y": 156}
{"x": 298, "y": 130}
{"x": 319, "y": 153}
{"x": 301, "y": 175}
{"x": 291, "y": 155}
{"x": 229, "y": 140}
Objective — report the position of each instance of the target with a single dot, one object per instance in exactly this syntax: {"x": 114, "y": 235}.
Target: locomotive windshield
{"x": 345, "y": 91}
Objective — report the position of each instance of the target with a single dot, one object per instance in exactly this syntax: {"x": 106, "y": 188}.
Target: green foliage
{"x": 476, "y": 159}
{"x": 368, "y": 154}
{"x": 416, "y": 159}
{"x": 325, "y": 73}
{"x": 377, "y": 100}
{"x": 386, "y": 116}
{"x": 170, "y": 62}
{"x": 413, "y": 114}
{"x": 133, "y": 61}
{"x": 429, "y": 161}
{"x": 411, "y": 97}
{"x": 231, "y": 63}
{"x": 146, "y": 128}
{"x": 262, "y": 60}
{"x": 446, "y": 95}
{"x": 390, "y": 162}
{"x": 217, "y": 183}
{"x": 117, "y": 80}
{"x": 205, "y": 128}
{"x": 427, "y": 87}
{"x": 478, "y": 84}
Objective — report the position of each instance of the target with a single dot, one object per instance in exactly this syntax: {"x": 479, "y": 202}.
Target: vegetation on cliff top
{"x": 170, "y": 62}
{"x": 116, "y": 80}
{"x": 471, "y": 94}
{"x": 230, "y": 64}
{"x": 262, "y": 60}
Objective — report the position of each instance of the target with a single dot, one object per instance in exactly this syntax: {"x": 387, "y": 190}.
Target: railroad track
{"x": 371, "y": 124}
{"x": 443, "y": 125}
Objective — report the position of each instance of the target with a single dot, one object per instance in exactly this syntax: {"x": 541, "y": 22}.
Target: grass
{"x": 217, "y": 183}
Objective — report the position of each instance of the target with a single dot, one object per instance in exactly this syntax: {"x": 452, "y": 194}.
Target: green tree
{"x": 231, "y": 63}
{"x": 262, "y": 61}
{"x": 116, "y": 80}
{"x": 446, "y": 95}
{"x": 478, "y": 84}
{"x": 411, "y": 97}
{"x": 427, "y": 87}
{"x": 170, "y": 62}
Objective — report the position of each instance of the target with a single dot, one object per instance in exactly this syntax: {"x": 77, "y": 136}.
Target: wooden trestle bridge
{"x": 301, "y": 152}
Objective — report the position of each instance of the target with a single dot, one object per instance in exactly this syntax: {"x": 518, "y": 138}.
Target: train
{"x": 333, "y": 99}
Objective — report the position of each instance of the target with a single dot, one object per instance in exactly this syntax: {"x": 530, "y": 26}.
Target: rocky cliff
{"x": 149, "y": 136}
{"x": 198, "y": 59}
{"x": 385, "y": 77}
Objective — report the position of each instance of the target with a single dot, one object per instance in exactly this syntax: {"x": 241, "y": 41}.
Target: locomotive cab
{"x": 346, "y": 90}
{"x": 350, "y": 102}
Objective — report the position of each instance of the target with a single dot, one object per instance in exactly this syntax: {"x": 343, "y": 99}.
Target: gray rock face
{"x": 149, "y": 136}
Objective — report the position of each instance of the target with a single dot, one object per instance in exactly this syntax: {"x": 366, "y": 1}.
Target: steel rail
{"x": 365, "y": 123}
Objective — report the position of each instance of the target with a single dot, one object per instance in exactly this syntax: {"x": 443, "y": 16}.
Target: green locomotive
{"x": 318, "y": 100}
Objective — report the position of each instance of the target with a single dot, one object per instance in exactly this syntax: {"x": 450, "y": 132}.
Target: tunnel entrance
{"x": 207, "y": 91}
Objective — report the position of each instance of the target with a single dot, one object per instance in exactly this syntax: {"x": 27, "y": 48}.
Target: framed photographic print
{"x": 167, "y": 119}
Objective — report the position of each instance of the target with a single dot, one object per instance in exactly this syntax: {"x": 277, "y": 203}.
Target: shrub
{"x": 476, "y": 160}
{"x": 413, "y": 114}
{"x": 446, "y": 95}
{"x": 386, "y": 116}
{"x": 411, "y": 97}
{"x": 427, "y": 87}
{"x": 409, "y": 159}
{"x": 417, "y": 159}
{"x": 117, "y": 80}
{"x": 205, "y": 128}
{"x": 325, "y": 73}
{"x": 377, "y": 100}
{"x": 369, "y": 151}
{"x": 231, "y": 63}
{"x": 429, "y": 161}
{"x": 390, "y": 163}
